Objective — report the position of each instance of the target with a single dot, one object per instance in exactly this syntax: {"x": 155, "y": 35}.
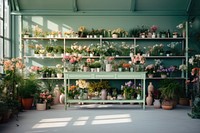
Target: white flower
{"x": 157, "y": 62}
{"x": 191, "y": 60}
{"x": 182, "y": 67}
{"x": 180, "y": 26}
{"x": 82, "y": 84}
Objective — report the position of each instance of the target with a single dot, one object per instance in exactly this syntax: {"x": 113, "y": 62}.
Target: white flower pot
{"x": 41, "y": 106}
{"x": 59, "y": 75}
{"x": 114, "y": 36}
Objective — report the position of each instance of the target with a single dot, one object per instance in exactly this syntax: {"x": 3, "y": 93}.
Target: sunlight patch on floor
{"x": 56, "y": 119}
{"x": 50, "y": 125}
{"x": 81, "y": 121}
{"x": 53, "y": 122}
{"x": 111, "y": 119}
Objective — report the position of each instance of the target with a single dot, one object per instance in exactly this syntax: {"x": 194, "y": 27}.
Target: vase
{"x": 138, "y": 97}
{"x": 150, "y": 89}
{"x": 62, "y": 98}
{"x": 103, "y": 94}
{"x": 149, "y": 100}
{"x": 156, "y": 103}
{"x": 108, "y": 67}
{"x": 56, "y": 95}
{"x": 41, "y": 106}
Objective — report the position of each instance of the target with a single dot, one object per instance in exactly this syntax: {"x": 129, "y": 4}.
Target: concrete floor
{"x": 95, "y": 118}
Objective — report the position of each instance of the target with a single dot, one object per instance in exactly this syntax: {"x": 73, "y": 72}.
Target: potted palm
{"x": 170, "y": 91}
{"x": 27, "y": 90}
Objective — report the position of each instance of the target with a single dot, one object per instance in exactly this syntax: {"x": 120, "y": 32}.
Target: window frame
{"x": 5, "y": 29}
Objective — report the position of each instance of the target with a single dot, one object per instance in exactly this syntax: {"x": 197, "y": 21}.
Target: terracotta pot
{"x": 167, "y": 107}
{"x": 184, "y": 101}
{"x": 167, "y": 104}
{"x": 27, "y": 103}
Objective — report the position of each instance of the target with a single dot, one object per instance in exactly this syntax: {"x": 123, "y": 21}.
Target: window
{"x": 5, "y": 44}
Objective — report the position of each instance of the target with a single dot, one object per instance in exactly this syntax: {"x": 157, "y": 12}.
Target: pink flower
{"x": 154, "y": 28}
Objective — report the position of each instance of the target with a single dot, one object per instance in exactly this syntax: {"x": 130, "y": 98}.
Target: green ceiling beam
{"x": 99, "y": 13}
{"x": 16, "y": 4}
{"x": 75, "y": 7}
{"x": 189, "y": 7}
{"x": 133, "y": 5}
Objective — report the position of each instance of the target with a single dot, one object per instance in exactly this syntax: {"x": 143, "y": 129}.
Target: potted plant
{"x": 150, "y": 70}
{"x": 135, "y": 32}
{"x": 59, "y": 70}
{"x": 170, "y": 92}
{"x": 43, "y": 99}
{"x": 49, "y": 50}
{"x": 27, "y": 90}
{"x": 163, "y": 34}
{"x": 58, "y": 50}
{"x": 68, "y": 51}
{"x": 26, "y": 32}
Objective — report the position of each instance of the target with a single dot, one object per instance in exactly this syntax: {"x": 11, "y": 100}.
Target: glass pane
{"x": 6, "y": 31}
{"x": 6, "y": 22}
{"x": 1, "y": 54}
{"x": 1, "y": 8}
{"x": 7, "y": 50}
{"x": 1, "y": 48}
{"x": 1, "y": 27}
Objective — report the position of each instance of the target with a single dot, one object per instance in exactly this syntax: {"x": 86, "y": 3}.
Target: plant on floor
{"x": 170, "y": 91}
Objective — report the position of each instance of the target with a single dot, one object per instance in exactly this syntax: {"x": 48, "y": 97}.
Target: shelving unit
{"x": 111, "y": 75}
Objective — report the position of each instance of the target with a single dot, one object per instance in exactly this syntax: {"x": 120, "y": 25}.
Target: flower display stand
{"x": 108, "y": 76}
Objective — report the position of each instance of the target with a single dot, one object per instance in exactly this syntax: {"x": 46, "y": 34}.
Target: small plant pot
{"x": 41, "y": 106}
